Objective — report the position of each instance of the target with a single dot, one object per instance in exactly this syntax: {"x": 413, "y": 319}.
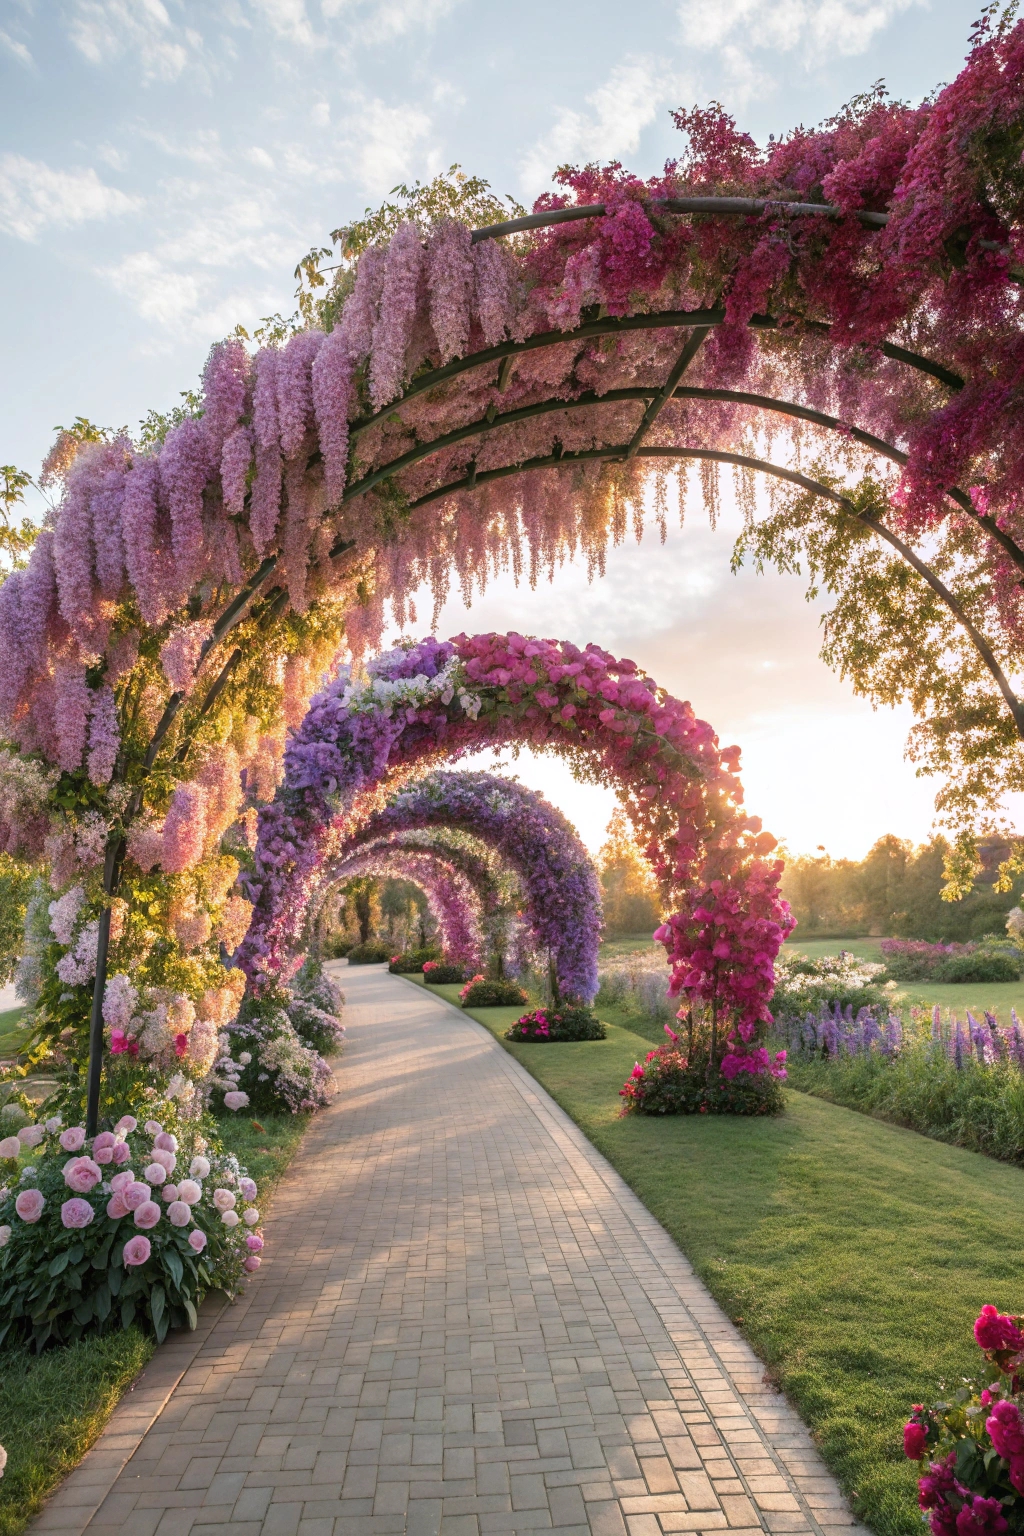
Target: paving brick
{"x": 464, "y": 1324}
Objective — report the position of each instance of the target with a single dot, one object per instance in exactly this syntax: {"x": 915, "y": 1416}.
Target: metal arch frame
{"x": 778, "y": 471}
{"x": 649, "y": 392}
{"x": 375, "y": 850}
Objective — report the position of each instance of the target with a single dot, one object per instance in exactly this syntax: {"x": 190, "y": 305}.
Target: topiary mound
{"x": 480, "y": 993}
{"x": 439, "y": 973}
{"x": 551, "y": 1025}
{"x": 413, "y": 961}
{"x": 373, "y": 952}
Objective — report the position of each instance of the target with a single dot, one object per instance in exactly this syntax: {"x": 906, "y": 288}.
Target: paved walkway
{"x": 466, "y": 1323}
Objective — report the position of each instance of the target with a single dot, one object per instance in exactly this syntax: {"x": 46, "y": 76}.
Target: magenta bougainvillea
{"x": 421, "y": 702}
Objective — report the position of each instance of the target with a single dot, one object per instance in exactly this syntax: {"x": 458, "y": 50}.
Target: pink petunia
{"x": 136, "y": 1251}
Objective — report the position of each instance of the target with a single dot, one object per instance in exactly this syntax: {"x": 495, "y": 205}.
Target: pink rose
{"x": 235, "y": 1100}
{"x": 10, "y": 1147}
{"x": 121, "y": 1180}
{"x": 164, "y": 1141}
{"x": 250, "y": 1216}
{"x": 224, "y": 1199}
{"x": 197, "y": 1240}
{"x": 76, "y": 1212}
{"x": 126, "y": 1123}
{"x": 147, "y": 1214}
{"x": 994, "y": 1331}
{"x": 252, "y": 1263}
{"x": 1007, "y": 1432}
{"x": 254, "y": 1242}
{"x": 190, "y": 1191}
{"x": 915, "y": 1440}
{"x": 179, "y": 1214}
{"x": 73, "y": 1139}
{"x": 155, "y": 1173}
{"x": 135, "y": 1194}
{"x": 29, "y": 1205}
{"x": 248, "y": 1188}
{"x": 81, "y": 1174}
{"x": 116, "y": 1208}
{"x": 121, "y": 1153}
{"x": 31, "y": 1135}
{"x": 104, "y": 1139}
{"x": 169, "y": 1193}
{"x": 136, "y": 1250}
{"x": 104, "y": 1155}
{"x": 152, "y": 1127}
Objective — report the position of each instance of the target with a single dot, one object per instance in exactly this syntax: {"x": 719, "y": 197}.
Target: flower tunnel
{"x": 562, "y": 896}
{"x": 422, "y": 702}
{"x": 451, "y": 898}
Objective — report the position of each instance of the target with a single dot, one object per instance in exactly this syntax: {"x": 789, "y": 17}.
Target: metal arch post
{"x": 694, "y": 342}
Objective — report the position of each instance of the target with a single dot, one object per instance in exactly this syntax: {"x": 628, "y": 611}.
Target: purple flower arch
{"x": 425, "y": 702}
{"x": 449, "y": 894}
{"x": 557, "y": 875}
{"x": 495, "y": 889}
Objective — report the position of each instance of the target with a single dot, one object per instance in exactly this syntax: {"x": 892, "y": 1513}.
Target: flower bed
{"x": 412, "y": 962}
{"x": 89, "y": 1242}
{"x": 956, "y": 1081}
{"x": 437, "y": 973}
{"x": 915, "y": 960}
{"x": 971, "y": 1446}
{"x": 673, "y": 1080}
{"x": 546, "y": 1026}
{"x": 802, "y": 983}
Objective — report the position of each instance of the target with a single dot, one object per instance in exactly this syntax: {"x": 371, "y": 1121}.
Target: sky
{"x": 165, "y": 163}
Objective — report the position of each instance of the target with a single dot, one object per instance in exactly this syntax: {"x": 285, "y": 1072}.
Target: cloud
{"x": 16, "y": 50}
{"x": 288, "y": 20}
{"x": 34, "y": 197}
{"x": 815, "y": 30}
{"x": 383, "y": 145}
{"x": 382, "y": 21}
{"x": 622, "y": 108}
{"x": 104, "y": 30}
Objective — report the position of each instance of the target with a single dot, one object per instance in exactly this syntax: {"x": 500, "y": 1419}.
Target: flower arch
{"x": 556, "y": 874}
{"x": 450, "y": 896}
{"x": 434, "y": 699}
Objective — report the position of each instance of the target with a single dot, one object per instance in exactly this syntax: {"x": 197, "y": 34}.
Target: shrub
{"x": 370, "y": 953}
{"x": 315, "y": 1009}
{"x": 916, "y": 960}
{"x": 971, "y": 1447}
{"x": 481, "y": 993}
{"x": 670, "y": 1083}
{"x": 438, "y": 973}
{"x": 802, "y": 983}
{"x": 572, "y": 1022}
{"x": 87, "y": 1255}
{"x": 979, "y": 967}
{"x": 266, "y": 1061}
{"x": 413, "y": 961}
{"x": 336, "y": 946}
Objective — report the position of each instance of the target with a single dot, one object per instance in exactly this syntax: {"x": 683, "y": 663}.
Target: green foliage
{"x": 494, "y": 994}
{"x": 977, "y": 1107}
{"x": 979, "y": 967}
{"x": 450, "y": 195}
{"x": 896, "y": 890}
{"x": 370, "y": 952}
{"x": 16, "y": 539}
{"x": 53, "y": 1407}
{"x": 16, "y": 882}
{"x": 413, "y": 960}
{"x": 155, "y": 425}
{"x": 442, "y": 975}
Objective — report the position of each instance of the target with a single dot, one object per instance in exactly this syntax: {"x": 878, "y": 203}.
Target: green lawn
{"x": 854, "y": 1255}
{"x": 53, "y": 1406}
{"x": 11, "y": 1034}
{"x": 998, "y": 996}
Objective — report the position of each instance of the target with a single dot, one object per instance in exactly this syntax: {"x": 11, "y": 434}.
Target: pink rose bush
{"x": 971, "y": 1448}
{"x": 88, "y": 1245}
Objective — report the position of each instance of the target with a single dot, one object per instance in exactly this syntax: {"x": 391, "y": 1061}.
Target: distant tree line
{"x": 894, "y": 891}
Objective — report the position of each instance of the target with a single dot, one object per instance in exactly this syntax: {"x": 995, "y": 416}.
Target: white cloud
{"x": 622, "y": 108}
{"x": 104, "y": 30}
{"x": 16, "y": 50}
{"x": 814, "y": 29}
{"x": 383, "y": 145}
{"x": 159, "y": 294}
{"x": 287, "y": 19}
{"x": 381, "y": 21}
{"x": 33, "y": 196}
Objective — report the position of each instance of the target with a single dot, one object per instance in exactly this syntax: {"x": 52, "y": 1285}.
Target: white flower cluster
{"x": 383, "y": 695}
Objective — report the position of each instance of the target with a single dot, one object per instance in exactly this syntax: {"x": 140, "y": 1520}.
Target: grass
{"x": 53, "y": 1406}
{"x": 12, "y": 1036}
{"x": 997, "y": 996}
{"x": 853, "y": 1255}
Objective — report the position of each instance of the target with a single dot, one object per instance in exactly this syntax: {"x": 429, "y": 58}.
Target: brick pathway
{"x": 466, "y": 1323}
